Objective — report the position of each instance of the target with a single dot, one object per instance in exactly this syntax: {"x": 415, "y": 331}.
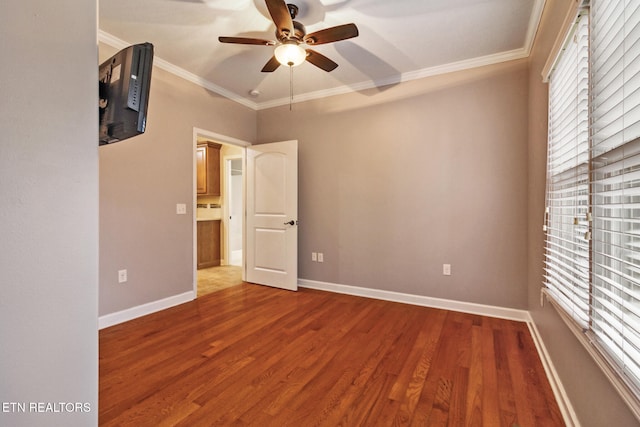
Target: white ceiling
{"x": 399, "y": 40}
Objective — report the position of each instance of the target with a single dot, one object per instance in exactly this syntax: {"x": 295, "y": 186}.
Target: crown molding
{"x": 404, "y": 77}
{"x": 534, "y": 22}
{"x": 524, "y": 52}
{"x": 117, "y": 43}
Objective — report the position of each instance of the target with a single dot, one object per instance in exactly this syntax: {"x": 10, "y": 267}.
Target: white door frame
{"x": 203, "y": 133}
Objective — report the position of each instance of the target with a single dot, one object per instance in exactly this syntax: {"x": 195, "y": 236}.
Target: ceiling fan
{"x": 292, "y": 37}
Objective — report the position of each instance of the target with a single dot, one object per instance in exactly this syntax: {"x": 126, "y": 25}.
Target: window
{"x": 567, "y": 247}
{"x": 592, "y": 218}
{"x": 615, "y": 181}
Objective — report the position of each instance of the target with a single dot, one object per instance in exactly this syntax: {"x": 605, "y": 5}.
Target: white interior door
{"x": 272, "y": 214}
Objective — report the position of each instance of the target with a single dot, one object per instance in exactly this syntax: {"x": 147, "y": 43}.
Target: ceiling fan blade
{"x": 271, "y": 65}
{"x": 333, "y": 34}
{"x": 246, "y": 40}
{"x": 320, "y": 60}
{"x": 280, "y": 14}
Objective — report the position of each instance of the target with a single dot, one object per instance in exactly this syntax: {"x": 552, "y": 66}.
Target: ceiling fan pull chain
{"x": 290, "y": 86}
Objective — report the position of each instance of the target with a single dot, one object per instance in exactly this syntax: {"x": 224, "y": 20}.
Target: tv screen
{"x": 124, "y": 83}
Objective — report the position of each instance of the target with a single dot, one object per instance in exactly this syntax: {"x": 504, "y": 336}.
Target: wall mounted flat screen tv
{"x": 124, "y": 83}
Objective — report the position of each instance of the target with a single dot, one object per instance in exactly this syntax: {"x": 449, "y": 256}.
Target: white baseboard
{"x": 144, "y": 309}
{"x": 568, "y": 413}
{"x": 465, "y": 307}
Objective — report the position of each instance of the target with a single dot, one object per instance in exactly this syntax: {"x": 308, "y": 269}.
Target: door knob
{"x": 292, "y": 222}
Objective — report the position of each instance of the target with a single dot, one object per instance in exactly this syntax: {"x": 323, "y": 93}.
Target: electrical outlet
{"x": 314, "y": 256}
{"x": 122, "y": 276}
{"x": 446, "y": 269}
{"x": 181, "y": 209}
{"x": 320, "y": 257}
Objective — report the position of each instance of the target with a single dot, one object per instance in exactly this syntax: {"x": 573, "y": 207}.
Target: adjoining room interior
{"x": 218, "y": 211}
{"x": 421, "y": 196}
{"x": 214, "y": 279}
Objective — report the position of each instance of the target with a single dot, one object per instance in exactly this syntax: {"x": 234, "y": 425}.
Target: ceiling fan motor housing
{"x": 291, "y": 34}
{"x": 293, "y": 10}
{"x": 299, "y": 31}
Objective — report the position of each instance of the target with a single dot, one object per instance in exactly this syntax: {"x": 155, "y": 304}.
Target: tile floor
{"x": 217, "y": 278}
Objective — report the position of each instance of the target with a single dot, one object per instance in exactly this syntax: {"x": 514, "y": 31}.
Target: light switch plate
{"x": 122, "y": 276}
{"x": 181, "y": 209}
{"x": 446, "y": 269}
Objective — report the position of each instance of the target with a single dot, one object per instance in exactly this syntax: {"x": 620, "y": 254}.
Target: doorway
{"x": 224, "y": 213}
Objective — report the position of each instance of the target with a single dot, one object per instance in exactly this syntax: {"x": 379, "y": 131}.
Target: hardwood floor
{"x": 252, "y": 355}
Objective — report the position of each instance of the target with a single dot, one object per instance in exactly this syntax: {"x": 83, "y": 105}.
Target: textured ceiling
{"x": 398, "y": 41}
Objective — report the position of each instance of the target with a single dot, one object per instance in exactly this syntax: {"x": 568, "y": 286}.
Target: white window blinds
{"x": 567, "y": 246}
{"x": 615, "y": 182}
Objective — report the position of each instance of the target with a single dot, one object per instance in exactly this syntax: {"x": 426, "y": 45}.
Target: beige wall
{"x": 592, "y": 396}
{"x": 395, "y": 182}
{"x": 141, "y": 181}
{"x": 48, "y": 210}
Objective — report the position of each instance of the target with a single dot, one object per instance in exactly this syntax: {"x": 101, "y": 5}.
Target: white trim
{"x": 404, "y": 77}
{"x": 218, "y": 137}
{"x": 117, "y": 43}
{"x": 534, "y": 22}
{"x": 599, "y": 358}
{"x": 144, "y": 309}
{"x": 567, "y": 26}
{"x": 445, "y": 304}
{"x": 568, "y": 413}
{"x": 194, "y": 209}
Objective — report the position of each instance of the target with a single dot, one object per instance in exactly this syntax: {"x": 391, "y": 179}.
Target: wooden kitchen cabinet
{"x": 208, "y": 169}
{"x": 208, "y": 243}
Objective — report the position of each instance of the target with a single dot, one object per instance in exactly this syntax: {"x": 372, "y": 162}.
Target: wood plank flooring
{"x": 256, "y": 356}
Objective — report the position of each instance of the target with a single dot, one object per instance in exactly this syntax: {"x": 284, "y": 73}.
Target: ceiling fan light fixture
{"x": 290, "y": 54}
{"x": 291, "y": 48}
